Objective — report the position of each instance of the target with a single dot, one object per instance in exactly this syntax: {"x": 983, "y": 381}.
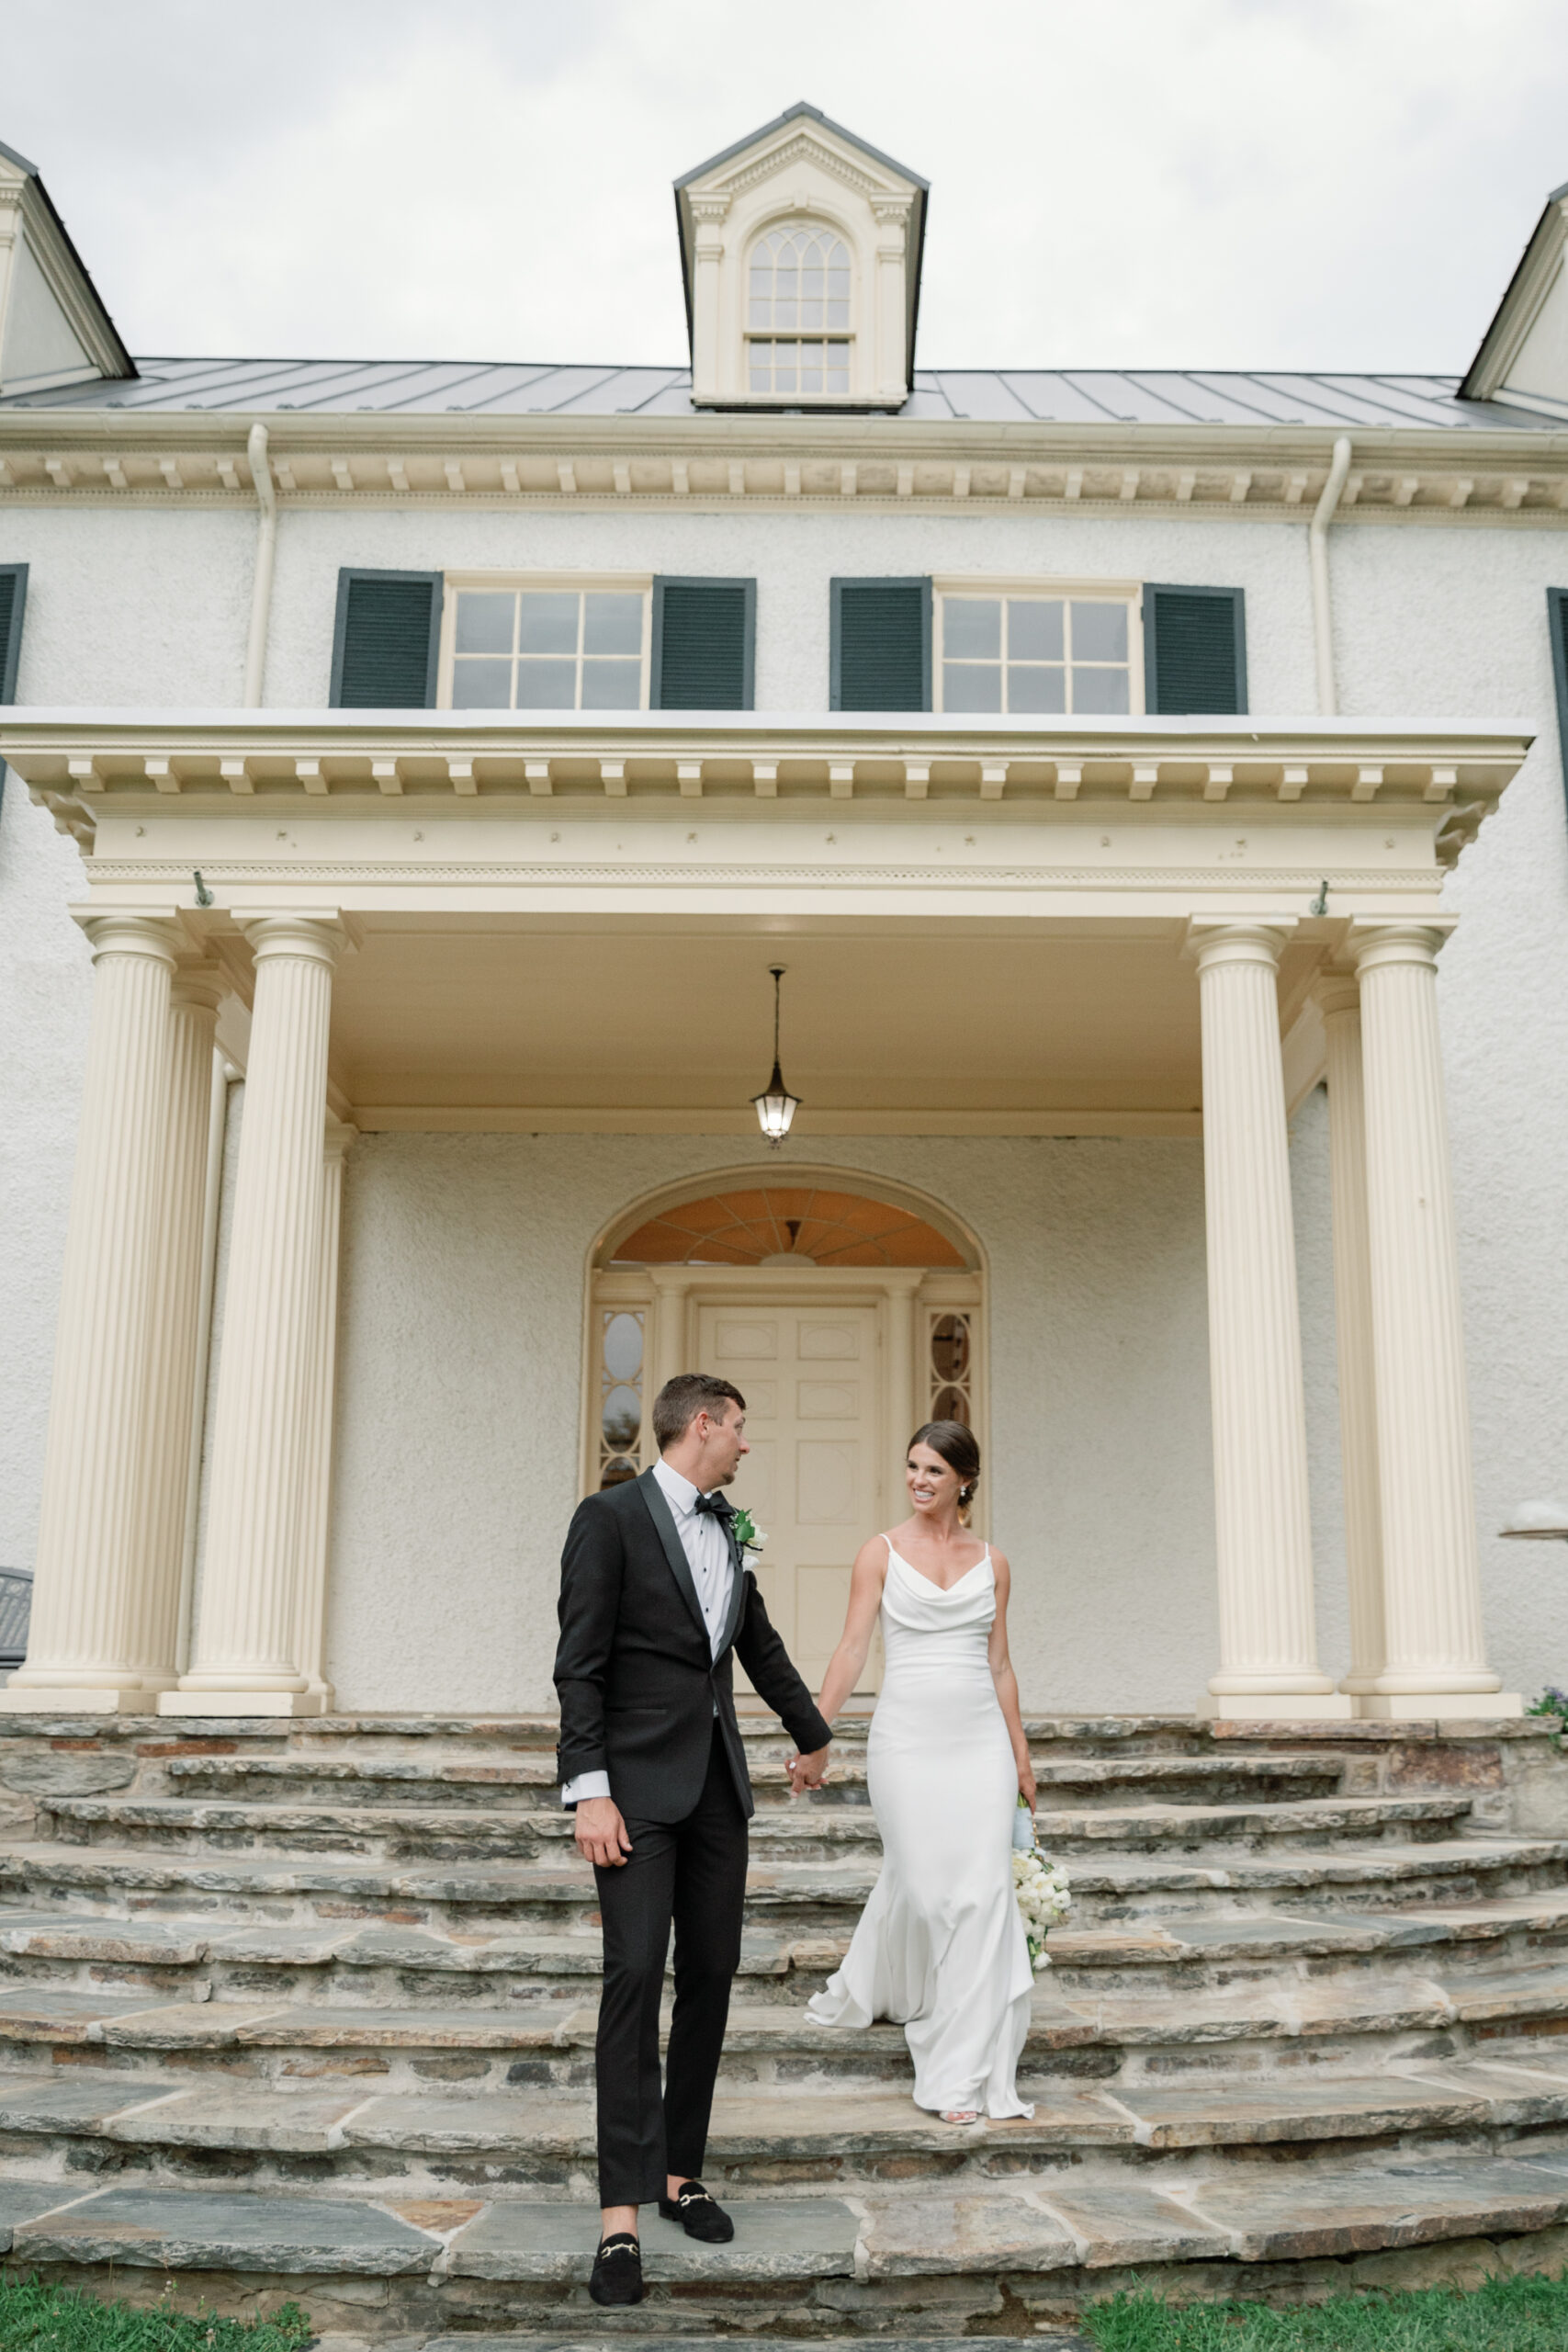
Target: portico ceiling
{"x": 444, "y": 1024}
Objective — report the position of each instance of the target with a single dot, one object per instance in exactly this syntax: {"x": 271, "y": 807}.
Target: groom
{"x": 656, "y": 1603}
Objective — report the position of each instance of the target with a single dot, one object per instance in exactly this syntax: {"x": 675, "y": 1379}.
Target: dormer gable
{"x": 801, "y": 250}
{"x": 55, "y": 331}
{"x": 1523, "y": 359}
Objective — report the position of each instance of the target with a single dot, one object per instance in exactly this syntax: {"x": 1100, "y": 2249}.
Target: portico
{"x": 437, "y": 923}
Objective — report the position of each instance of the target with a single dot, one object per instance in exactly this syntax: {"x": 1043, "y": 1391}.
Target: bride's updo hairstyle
{"x": 957, "y": 1447}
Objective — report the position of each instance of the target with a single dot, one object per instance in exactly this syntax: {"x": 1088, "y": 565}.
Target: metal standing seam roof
{"x": 1089, "y": 396}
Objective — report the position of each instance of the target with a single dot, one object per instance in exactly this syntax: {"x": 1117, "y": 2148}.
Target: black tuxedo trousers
{"x": 691, "y": 1874}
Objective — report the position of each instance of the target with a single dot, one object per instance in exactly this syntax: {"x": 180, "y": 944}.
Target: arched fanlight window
{"x": 798, "y": 312}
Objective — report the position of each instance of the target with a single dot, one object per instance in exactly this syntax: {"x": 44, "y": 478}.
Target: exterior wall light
{"x": 1538, "y": 1522}
{"x": 775, "y": 1106}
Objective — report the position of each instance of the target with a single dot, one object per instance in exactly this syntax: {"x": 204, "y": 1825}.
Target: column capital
{"x": 1372, "y": 943}
{"x": 133, "y": 934}
{"x": 1239, "y": 939}
{"x": 1336, "y": 991}
{"x": 321, "y": 938}
{"x": 199, "y": 988}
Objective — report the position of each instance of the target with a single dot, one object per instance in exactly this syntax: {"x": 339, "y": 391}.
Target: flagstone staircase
{"x": 308, "y": 2009}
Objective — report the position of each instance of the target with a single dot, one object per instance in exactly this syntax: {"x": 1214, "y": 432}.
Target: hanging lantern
{"x": 775, "y": 1106}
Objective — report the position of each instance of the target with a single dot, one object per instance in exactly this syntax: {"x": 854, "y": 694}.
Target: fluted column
{"x": 169, "y": 1432}
{"x": 246, "y": 1659}
{"x": 1339, "y": 996}
{"x": 1268, "y": 1636}
{"x": 82, "y": 1649}
{"x": 1435, "y": 1657}
{"x": 315, "y": 1485}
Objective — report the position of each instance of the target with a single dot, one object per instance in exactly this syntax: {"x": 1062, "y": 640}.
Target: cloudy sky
{"x": 1223, "y": 183}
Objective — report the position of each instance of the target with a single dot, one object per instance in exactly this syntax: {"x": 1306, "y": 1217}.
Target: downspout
{"x": 1318, "y": 544}
{"x": 261, "y": 587}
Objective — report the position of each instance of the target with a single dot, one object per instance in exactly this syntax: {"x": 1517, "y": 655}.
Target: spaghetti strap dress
{"x": 941, "y": 1946}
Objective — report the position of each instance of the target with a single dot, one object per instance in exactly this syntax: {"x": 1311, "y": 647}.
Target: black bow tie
{"x": 714, "y": 1506}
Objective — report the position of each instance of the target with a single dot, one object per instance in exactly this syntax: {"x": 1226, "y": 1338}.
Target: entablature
{"x": 431, "y": 799}
{"x": 1478, "y": 475}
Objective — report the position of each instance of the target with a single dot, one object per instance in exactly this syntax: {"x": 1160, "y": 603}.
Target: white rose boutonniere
{"x": 748, "y": 1536}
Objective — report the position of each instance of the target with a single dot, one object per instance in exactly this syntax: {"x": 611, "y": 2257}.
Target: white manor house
{"x": 1151, "y": 787}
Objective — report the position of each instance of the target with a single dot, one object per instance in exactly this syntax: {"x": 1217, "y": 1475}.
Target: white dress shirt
{"x": 706, "y": 1547}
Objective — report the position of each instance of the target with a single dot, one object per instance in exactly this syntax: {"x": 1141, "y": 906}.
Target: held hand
{"x": 1026, "y": 1782}
{"x": 601, "y": 1834}
{"x": 808, "y": 1771}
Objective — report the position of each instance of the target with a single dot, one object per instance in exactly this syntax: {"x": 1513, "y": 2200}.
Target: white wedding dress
{"x": 941, "y": 1946}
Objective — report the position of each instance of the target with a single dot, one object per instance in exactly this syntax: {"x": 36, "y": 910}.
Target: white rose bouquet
{"x": 1044, "y": 1897}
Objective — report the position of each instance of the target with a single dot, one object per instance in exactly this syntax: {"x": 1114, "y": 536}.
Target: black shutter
{"x": 882, "y": 645}
{"x": 1557, "y": 614}
{"x": 13, "y": 597}
{"x": 705, "y": 634}
{"x": 1195, "y": 651}
{"x": 386, "y": 641}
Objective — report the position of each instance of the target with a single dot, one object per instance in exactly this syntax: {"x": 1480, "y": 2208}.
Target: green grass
{"x": 35, "y": 2318}
{"x": 1504, "y": 2315}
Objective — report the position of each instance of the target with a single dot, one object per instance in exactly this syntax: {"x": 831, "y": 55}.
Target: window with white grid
{"x": 548, "y": 646}
{"x": 1040, "y": 652}
{"x": 798, "y": 312}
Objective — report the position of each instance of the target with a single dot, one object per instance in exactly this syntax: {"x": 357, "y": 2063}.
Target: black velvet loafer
{"x": 617, "y": 2270}
{"x": 699, "y": 2214}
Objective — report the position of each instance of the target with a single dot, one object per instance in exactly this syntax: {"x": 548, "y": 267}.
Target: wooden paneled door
{"x": 811, "y": 1376}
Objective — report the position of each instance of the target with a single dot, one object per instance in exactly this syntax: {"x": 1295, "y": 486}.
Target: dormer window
{"x": 801, "y": 252}
{"x": 798, "y": 313}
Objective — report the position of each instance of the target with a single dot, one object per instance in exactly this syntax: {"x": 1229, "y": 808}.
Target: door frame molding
{"x": 907, "y": 1299}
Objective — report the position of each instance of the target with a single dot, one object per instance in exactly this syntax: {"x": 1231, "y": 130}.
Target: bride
{"x": 941, "y": 1946}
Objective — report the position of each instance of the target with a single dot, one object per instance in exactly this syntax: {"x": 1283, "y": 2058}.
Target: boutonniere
{"x": 748, "y": 1536}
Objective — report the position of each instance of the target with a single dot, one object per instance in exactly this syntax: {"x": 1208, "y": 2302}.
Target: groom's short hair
{"x": 679, "y": 1401}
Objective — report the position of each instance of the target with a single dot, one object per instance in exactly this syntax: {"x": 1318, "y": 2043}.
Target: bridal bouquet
{"x": 1044, "y": 1897}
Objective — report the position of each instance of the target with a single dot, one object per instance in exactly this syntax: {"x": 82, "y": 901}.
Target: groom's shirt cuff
{"x": 587, "y": 1785}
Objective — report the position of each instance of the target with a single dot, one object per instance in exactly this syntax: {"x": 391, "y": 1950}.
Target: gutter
{"x": 267, "y": 548}
{"x": 1317, "y": 548}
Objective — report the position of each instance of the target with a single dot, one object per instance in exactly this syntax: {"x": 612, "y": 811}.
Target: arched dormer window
{"x": 797, "y": 313}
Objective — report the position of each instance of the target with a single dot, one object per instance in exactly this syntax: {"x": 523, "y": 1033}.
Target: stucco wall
{"x": 457, "y": 1422}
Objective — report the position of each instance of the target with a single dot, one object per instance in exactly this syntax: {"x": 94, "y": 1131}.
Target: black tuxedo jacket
{"x": 634, "y": 1673}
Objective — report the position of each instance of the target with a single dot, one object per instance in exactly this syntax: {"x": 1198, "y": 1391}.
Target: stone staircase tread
{"x": 1251, "y": 2213}
{"x": 242, "y": 2230}
{"x": 822, "y": 2123}
{"x": 1465, "y": 2094}
{"x": 1278, "y": 1820}
{"x": 66, "y": 2017}
{"x": 832, "y": 1823}
{"x": 1272, "y": 1934}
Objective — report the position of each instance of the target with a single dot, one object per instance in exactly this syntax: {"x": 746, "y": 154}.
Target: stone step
{"x": 459, "y": 1780}
{"x": 1106, "y": 1886}
{"x": 815, "y": 2134}
{"x": 793, "y": 2258}
{"x": 808, "y": 1831}
{"x": 544, "y": 2040}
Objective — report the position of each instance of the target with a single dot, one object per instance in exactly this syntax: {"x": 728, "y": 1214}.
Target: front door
{"x": 811, "y": 1378}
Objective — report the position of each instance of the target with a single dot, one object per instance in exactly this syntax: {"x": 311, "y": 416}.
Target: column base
{"x": 34, "y": 1699}
{"x": 1424, "y": 1706}
{"x": 1276, "y": 1707}
{"x": 240, "y": 1703}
